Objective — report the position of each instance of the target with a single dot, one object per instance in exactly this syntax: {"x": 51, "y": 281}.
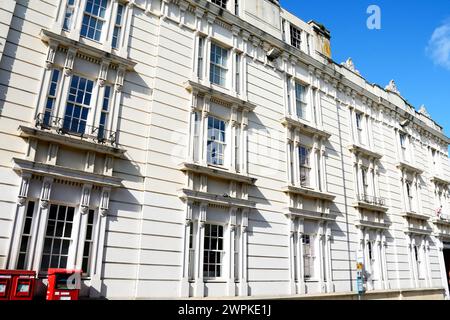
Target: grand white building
{"x": 193, "y": 148}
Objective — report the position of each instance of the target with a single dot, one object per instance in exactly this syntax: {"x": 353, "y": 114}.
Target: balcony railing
{"x": 378, "y": 201}
{"x": 75, "y": 127}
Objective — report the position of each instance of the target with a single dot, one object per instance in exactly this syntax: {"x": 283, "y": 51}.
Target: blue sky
{"x": 401, "y": 50}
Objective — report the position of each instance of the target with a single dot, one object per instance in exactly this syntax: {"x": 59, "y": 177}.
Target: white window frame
{"x": 118, "y": 25}
{"x": 359, "y": 118}
{"x": 219, "y": 252}
{"x": 29, "y": 217}
{"x": 311, "y": 256}
{"x": 217, "y": 140}
{"x": 301, "y": 102}
{"x": 305, "y": 165}
{"x": 223, "y": 67}
{"x": 70, "y": 9}
{"x": 104, "y": 21}
{"x": 64, "y": 237}
{"x": 296, "y": 36}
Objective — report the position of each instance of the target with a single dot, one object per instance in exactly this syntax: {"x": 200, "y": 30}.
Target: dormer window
{"x": 94, "y": 19}
{"x": 296, "y": 37}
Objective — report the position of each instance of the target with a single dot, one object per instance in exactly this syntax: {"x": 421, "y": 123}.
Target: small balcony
{"x": 365, "y": 201}
{"x": 76, "y": 127}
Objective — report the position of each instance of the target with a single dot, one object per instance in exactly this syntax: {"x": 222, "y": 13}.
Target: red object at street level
{"x": 63, "y": 284}
{"x": 17, "y": 284}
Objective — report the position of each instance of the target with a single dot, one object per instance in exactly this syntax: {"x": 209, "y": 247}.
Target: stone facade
{"x": 178, "y": 148}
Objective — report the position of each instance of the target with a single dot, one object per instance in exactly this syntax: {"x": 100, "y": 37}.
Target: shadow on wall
{"x": 5, "y": 76}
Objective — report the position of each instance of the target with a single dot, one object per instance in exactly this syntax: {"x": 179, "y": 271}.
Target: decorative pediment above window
{"x": 63, "y": 173}
{"x": 303, "y": 126}
{"x": 222, "y": 200}
{"x": 217, "y": 172}
{"x": 310, "y": 215}
{"x": 409, "y": 167}
{"x": 309, "y": 193}
{"x": 54, "y": 39}
{"x": 197, "y": 88}
{"x": 357, "y": 149}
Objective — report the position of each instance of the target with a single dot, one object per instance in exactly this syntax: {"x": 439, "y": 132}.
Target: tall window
{"x": 409, "y": 195}
{"x": 94, "y": 19}
{"x": 213, "y": 251}
{"x": 68, "y": 16}
{"x": 201, "y": 44}
{"x": 308, "y": 256}
{"x": 419, "y": 264}
{"x": 88, "y": 242}
{"x": 218, "y": 68}
{"x": 117, "y": 26}
{"x": 236, "y": 7}
{"x": 403, "y": 145}
{"x": 296, "y": 37}
{"x": 191, "y": 252}
{"x": 216, "y": 141}
{"x": 51, "y": 97}
{"x": 26, "y": 236}
{"x": 300, "y": 101}
{"x": 238, "y": 73}
{"x": 104, "y": 114}
{"x": 57, "y": 237}
{"x": 304, "y": 166}
{"x": 78, "y": 102}
{"x": 359, "y": 127}
{"x": 222, "y": 3}
{"x": 365, "y": 183}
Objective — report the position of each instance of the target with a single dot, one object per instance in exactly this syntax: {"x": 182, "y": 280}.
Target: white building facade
{"x": 178, "y": 148}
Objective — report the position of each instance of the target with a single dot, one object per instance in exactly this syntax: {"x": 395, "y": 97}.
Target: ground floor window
{"x": 26, "y": 236}
{"x": 308, "y": 256}
{"x": 213, "y": 251}
{"x": 88, "y": 243}
{"x": 57, "y": 239}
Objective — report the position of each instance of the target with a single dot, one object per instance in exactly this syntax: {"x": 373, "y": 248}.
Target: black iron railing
{"x": 75, "y": 127}
{"x": 378, "y": 201}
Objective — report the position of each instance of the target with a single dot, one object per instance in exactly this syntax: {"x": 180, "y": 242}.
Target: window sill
{"x": 217, "y": 172}
{"x": 212, "y": 280}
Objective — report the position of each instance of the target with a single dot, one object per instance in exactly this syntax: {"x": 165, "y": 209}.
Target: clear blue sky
{"x": 397, "y": 51}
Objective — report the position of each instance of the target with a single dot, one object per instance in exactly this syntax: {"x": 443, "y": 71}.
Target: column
{"x": 191, "y": 151}
{"x": 301, "y": 267}
{"x": 39, "y": 227}
{"x": 96, "y": 289}
{"x": 65, "y": 82}
{"x": 315, "y": 164}
{"x": 204, "y": 131}
{"x": 199, "y": 286}
{"x": 18, "y": 222}
{"x": 232, "y": 144}
{"x": 298, "y": 281}
{"x": 244, "y": 145}
{"x": 231, "y": 249}
{"x": 292, "y": 253}
{"x": 186, "y": 250}
{"x": 207, "y": 57}
{"x": 80, "y": 5}
{"x": 384, "y": 257}
{"x": 379, "y": 260}
{"x": 79, "y": 229}
{"x": 296, "y": 155}
{"x": 323, "y": 158}
{"x": 60, "y": 14}
{"x": 320, "y": 257}
{"x": 243, "y": 287}
{"x": 289, "y": 168}
{"x": 329, "y": 269}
